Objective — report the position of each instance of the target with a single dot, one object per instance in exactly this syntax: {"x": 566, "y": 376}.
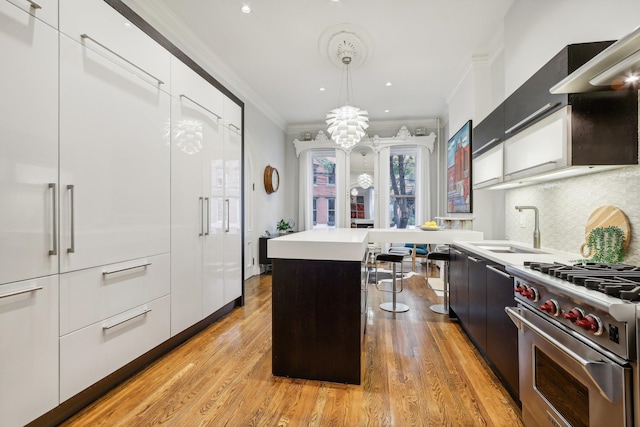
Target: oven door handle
{"x": 602, "y": 374}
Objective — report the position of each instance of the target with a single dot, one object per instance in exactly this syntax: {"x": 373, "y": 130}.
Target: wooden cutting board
{"x": 606, "y": 216}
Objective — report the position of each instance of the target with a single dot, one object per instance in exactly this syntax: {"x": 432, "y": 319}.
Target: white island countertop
{"x": 350, "y": 244}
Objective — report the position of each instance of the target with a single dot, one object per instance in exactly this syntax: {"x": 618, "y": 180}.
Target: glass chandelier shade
{"x": 346, "y": 125}
{"x": 365, "y": 180}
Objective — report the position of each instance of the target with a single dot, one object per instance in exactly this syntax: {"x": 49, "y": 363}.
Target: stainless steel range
{"x": 577, "y": 343}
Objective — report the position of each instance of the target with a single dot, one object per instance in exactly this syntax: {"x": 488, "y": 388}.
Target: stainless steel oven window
{"x": 565, "y": 393}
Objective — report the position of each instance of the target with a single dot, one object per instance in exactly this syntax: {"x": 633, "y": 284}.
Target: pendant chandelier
{"x": 346, "y": 125}
{"x": 364, "y": 179}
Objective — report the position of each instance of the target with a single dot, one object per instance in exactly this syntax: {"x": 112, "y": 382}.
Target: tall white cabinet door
{"x": 28, "y": 349}
{"x": 114, "y": 161}
{"x": 214, "y": 250}
{"x": 187, "y": 221}
{"x": 46, "y": 10}
{"x": 232, "y": 240}
{"x": 28, "y": 146}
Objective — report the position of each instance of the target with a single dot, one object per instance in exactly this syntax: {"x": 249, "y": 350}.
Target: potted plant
{"x": 284, "y": 227}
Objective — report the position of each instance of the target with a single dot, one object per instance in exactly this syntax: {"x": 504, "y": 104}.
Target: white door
{"x": 28, "y": 349}
{"x": 114, "y": 161}
{"x": 28, "y": 146}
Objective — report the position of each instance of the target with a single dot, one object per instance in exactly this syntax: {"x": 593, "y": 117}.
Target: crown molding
{"x": 383, "y": 127}
{"x": 164, "y": 20}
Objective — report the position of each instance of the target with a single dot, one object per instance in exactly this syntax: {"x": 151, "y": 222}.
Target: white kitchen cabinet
{"x": 197, "y": 173}
{"x": 232, "y": 115}
{"x": 102, "y": 29}
{"x": 231, "y": 229}
{"x": 28, "y": 349}
{"x": 91, "y": 353}
{"x": 45, "y": 10}
{"x": 29, "y": 145}
{"x": 487, "y": 168}
{"x": 90, "y": 295}
{"x": 114, "y": 161}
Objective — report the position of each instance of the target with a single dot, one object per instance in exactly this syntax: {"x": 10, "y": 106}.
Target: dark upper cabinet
{"x": 489, "y": 132}
{"x": 532, "y": 101}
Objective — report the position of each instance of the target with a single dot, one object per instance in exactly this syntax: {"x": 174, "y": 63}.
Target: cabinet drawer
{"x": 195, "y": 92}
{"x": 45, "y": 10}
{"x": 89, "y": 296}
{"x": 113, "y": 36}
{"x": 90, "y": 354}
{"x": 28, "y": 349}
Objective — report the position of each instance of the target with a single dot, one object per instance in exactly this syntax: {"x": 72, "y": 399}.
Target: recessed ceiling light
{"x": 386, "y": 111}
{"x": 246, "y": 9}
{"x": 322, "y": 89}
{"x": 388, "y": 84}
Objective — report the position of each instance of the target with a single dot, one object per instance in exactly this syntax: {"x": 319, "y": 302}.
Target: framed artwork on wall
{"x": 459, "y": 195}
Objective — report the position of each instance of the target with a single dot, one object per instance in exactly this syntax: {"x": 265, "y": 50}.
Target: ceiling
{"x": 278, "y": 53}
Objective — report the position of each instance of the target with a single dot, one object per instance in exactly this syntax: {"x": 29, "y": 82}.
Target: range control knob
{"x": 592, "y": 324}
{"x": 520, "y": 288}
{"x": 531, "y": 294}
{"x": 551, "y": 306}
{"x": 574, "y": 314}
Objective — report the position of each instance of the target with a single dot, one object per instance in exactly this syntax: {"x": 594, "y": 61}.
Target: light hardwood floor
{"x": 419, "y": 369}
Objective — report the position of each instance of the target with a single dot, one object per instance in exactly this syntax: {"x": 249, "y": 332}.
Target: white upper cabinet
{"x": 100, "y": 28}
{"x": 45, "y": 10}
{"x": 29, "y": 146}
{"x": 114, "y": 161}
{"x": 28, "y": 349}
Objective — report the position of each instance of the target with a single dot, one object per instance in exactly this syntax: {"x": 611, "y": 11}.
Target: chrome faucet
{"x": 536, "y": 229}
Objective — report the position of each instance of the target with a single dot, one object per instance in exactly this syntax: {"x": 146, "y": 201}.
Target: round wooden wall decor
{"x": 271, "y": 179}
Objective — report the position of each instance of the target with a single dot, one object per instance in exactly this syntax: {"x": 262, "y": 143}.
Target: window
{"x": 402, "y": 187}
{"x": 324, "y": 188}
{"x": 331, "y": 211}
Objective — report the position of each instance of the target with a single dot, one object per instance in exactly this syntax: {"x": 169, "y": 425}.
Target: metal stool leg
{"x": 394, "y": 306}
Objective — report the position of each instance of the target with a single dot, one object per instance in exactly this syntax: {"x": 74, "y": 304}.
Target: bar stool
{"x": 394, "y": 256}
{"x": 441, "y": 253}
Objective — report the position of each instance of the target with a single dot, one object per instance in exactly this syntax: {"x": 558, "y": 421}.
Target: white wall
{"x": 264, "y": 144}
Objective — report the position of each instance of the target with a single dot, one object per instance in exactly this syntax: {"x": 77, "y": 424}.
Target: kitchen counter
{"x": 349, "y": 244}
{"x": 484, "y": 248}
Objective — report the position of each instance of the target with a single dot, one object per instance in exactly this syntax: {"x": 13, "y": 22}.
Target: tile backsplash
{"x": 565, "y": 206}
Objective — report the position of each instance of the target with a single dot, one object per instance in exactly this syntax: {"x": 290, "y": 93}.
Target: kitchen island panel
{"x": 316, "y": 320}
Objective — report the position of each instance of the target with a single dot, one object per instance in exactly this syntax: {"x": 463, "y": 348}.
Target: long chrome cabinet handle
{"x": 120, "y": 322}
{"x": 208, "y": 217}
{"x": 54, "y": 251}
{"x": 550, "y": 162}
{"x": 484, "y": 147}
{"x": 500, "y": 272}
{"x": 23, "y": 291}
{"x": 201, "y": 206}
{"x": 72, "y": 248}
{"x": 33, "y": 4}
{"x": 86, "y": 36}
{"x": 532, "y": 116}
{"x": 597, "y": 370}
{"x": 231, "y": 125}
{"x": 474, "y": 259}
{"x": 226, "y": 201}
{"x": 182, "y": 95}
{"x": 107, "y": 272}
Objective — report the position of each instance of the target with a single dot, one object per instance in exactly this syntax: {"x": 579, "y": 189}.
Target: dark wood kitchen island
{"x": 318, "y": 313}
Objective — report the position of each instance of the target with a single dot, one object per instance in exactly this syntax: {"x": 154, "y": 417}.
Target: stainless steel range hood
{"x": 607, "y": 69}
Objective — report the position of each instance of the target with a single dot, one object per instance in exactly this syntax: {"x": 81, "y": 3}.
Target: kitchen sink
{"x": 508, "y": 249}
